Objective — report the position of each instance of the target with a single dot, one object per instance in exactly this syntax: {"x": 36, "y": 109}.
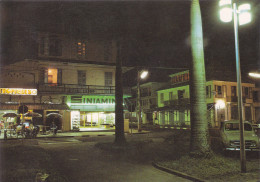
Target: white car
{"x": 230, "y": 135}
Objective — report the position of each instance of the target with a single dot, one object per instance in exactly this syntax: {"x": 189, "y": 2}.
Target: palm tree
{"x": 199, "y": 143}
{"x": 119, "y": 132}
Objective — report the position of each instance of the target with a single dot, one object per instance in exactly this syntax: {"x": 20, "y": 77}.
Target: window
{"x": 247, "y": 92}
{"x": 219, "y": 90}
{"x": 181, "y": 94}
{"x": 233, "y": 91}
{"x": 42, "y": 45}
{"x": 55, "y": 47}
{"x": 108, "y": 78}
{"x": 162, "y": 97}
{"x": 53, "y": 76}
{"x": 81, "y": 49}
{"x": 170, "y": 96}
{"x": 81, "y": 77}
{"x": 256, "y": 96}
{"x": 107, "y": 51}
{"x": 208, "y": 91}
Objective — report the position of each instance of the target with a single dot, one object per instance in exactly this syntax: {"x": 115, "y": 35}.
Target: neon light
{"x": 17, "y": 91}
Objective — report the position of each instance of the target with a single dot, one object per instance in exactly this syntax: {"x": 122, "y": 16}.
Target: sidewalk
{"x": 87, "y": 132}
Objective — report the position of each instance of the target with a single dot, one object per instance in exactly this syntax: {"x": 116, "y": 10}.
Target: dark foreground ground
{"x": 96, "y": 158}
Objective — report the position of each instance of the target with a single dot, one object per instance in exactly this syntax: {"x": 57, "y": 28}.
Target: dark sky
{"x": 154, "y": 33}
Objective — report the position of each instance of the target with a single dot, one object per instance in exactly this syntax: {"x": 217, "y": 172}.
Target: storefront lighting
{"x": 95, "y": 104}
{"x": 220, "y": 104}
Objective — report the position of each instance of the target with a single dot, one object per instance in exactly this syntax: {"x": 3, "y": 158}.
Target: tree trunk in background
{"x": 199, "y": 143}
{"x": 119, "y": 117}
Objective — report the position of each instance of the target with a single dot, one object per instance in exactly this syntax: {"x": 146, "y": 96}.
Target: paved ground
{"x": 80, "y": 160}
{"x": 76, "y": 157}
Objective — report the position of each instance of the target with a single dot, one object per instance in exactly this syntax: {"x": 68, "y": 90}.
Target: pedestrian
{"x": 54, "y": 128}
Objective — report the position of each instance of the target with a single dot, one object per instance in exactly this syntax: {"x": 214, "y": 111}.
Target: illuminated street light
{"x": 244, "y": 16}
{"x": 254, "y": 75}
{"x": 140, "y": 75}
{"x": 143, "y": 74}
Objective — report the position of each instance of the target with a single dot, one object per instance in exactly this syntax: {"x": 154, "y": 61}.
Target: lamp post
{"x": 241, "y": 15}
{"x": 140, "y": 75}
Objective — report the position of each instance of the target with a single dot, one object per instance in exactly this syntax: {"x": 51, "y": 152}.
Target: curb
{"x": 177, "y": 173}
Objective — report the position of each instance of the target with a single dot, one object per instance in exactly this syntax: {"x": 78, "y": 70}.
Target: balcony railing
{"x": 177, "y": 102}
{"x": 75, "y": 89}
{"x": 234, "y": 99}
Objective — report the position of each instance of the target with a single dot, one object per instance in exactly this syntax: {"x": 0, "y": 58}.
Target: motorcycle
{"x": 31, "y": 132}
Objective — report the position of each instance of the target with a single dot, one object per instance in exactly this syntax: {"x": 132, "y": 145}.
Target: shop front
{"x": 92, "y": 112}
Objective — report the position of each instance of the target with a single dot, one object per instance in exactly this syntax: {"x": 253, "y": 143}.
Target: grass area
{"x": 219, "y": 166}
{"x": 215, "y": 168}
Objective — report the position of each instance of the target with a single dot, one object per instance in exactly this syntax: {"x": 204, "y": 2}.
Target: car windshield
{"x": 235, "y": 126}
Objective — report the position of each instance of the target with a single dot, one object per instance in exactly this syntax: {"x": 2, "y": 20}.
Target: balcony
{"x": 177, "y": 102}
{"x": 73, "y": 89}
{"x": 234, "y": 99}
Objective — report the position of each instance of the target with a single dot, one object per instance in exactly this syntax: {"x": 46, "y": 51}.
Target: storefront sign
{"x": 17, "y": 91}
{"x": 180, "y": 77}
{"x": 99, "y": 100}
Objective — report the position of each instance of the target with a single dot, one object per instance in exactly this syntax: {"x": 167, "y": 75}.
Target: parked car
{"x": 230, "y": 135}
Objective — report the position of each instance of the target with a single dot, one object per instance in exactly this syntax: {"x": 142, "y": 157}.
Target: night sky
{"x": 155, "y": 34}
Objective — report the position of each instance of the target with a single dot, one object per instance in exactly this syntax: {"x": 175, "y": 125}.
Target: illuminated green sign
{"x": 99, "y": 100}
{"x": 91, "y": 100}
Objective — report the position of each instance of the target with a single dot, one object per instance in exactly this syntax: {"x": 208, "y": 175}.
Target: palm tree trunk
{"x": 119, "y": 133}
{"x": 199, "y": 127}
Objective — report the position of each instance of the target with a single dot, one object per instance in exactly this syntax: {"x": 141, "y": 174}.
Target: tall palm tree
{"x": 119, "y": 132}
{"x": 199, "y": 143}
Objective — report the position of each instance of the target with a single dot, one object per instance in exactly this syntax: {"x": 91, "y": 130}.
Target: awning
{"x": 35, "y": 106}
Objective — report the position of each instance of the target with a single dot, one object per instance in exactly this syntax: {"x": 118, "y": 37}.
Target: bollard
{"x": 5, "y": 134}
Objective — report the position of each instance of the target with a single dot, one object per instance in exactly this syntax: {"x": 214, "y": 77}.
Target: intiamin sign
{"x": 99, "y": 100}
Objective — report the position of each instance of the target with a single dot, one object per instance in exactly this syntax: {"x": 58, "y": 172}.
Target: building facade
{"x": 221, "y": 96}
{"x": 148, "y": 97}
{"x": 73, "y": 78}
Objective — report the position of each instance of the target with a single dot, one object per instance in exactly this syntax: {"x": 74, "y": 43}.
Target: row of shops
{"x": 87, "y": 112}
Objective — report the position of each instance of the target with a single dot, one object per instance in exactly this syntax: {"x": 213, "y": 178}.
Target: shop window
{"x": 81, "y": 49}
{"x": 82, "y": 77}
{"x": 53, "y": 77}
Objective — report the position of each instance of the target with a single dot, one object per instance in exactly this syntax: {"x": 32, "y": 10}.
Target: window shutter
{"x": 59, "y": 77}
{"x": 45, "y": 76}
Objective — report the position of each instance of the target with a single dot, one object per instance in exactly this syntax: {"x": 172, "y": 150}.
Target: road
{"x": 78, "y": 159}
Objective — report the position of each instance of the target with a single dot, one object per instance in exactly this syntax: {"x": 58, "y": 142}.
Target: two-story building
{"x": 148, "y": 97}
{"x": 73, "y": 78}
{"x": 221, "y": 96}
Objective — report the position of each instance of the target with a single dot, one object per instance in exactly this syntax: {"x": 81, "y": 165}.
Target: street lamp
{"x": 141, "y": 74}
{"x": 243, "y": 16}
{"x": 254, "y": 74}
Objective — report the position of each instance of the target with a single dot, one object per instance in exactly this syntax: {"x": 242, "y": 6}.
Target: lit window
{"x": 53, "y": 76}
{"x": 81, "y": 49}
